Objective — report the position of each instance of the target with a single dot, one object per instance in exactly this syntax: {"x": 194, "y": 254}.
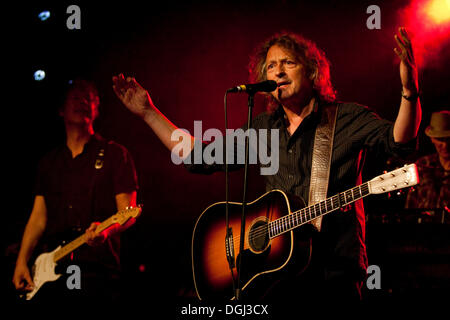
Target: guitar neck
{"x": 307, "y": 214}
{"x": 78, "y": 242}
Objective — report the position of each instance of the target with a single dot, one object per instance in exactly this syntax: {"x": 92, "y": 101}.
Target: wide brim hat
{"x": 439, "y": 125}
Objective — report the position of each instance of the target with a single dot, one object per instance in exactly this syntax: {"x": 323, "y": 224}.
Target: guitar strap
{"x": 98, "y": 165}
{"x": 321, "y": 158}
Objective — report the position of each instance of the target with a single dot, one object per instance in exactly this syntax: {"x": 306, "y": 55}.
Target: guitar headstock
{"x": 404, "y": 177}
{"x": 124, "y": 215}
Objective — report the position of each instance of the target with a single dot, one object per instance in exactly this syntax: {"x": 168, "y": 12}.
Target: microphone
{"x": 264, "y": 86}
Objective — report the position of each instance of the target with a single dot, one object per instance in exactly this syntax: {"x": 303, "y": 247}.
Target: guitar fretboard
{"x": 68, "y": 248}
{"x": 305, "y": 215}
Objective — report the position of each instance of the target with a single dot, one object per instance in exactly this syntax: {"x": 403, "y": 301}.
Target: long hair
{"x": 306, "y": 52}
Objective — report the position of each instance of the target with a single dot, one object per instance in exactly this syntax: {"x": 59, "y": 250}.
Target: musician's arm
{"x": 138, "y": 101}
{"x": 33, "y": 232}
{"x": 123, "y": 200}
{"x": 409, "y": 116}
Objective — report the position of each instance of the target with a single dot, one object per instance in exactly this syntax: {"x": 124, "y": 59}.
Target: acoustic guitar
{"x": 269, "y": 244}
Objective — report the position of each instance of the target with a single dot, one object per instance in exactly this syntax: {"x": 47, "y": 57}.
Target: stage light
{"x": 44, "y": 15}
{"x": 439, "y": 10}
{"x": 428, "y": 23}
{"x": 39, "y": 75}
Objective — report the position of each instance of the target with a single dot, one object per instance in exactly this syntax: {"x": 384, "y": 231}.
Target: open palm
{"x": 132, "y": 95}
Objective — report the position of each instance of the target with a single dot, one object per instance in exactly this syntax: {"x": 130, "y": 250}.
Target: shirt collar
{"x": 93, "y": 142}
{"x": 279, "y": 115}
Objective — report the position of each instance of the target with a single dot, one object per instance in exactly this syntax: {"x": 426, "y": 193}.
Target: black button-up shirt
{"x": 77, "y": 193}
{"x": 357, "y": 130}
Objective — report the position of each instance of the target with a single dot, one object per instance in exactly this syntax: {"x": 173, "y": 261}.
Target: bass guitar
{"x": 269, "y": 244}
{"x": 43, "y": 269}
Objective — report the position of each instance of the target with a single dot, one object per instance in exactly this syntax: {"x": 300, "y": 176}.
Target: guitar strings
{"x": 290, "y": 218}
{"x": 283, "y": 223}
{"x": 262, "y": 230}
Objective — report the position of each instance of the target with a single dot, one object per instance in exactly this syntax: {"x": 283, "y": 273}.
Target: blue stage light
{"x": 39, "y": 75}
{"x": 44, "y": 15}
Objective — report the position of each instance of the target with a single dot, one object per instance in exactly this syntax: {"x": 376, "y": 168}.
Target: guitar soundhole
{"x": 258, "y": 236}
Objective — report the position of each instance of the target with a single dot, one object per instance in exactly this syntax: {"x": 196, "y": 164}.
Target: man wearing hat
{"x": 434, "y": 170}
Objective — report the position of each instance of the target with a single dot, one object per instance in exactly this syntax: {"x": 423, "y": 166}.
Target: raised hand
{"x": 132, "y": 95}
{"x": 408, "y": 69}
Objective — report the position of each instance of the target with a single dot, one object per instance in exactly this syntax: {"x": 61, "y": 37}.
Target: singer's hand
{"x": 132, "y": 95}
{"x": 408, "y": 69}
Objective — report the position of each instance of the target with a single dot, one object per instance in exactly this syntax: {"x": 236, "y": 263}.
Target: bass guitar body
{"x": 264, "y": 259}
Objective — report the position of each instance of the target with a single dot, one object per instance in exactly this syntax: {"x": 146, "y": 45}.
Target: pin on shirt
{"x": 99, "y": 161}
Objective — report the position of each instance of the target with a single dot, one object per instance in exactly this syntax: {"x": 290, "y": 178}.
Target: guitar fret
{"x": 349, "y": 199}
{"x": 366, "y": 188}
{"x": 291, "y": 221}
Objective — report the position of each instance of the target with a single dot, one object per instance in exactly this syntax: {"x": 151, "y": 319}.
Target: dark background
{"x": 187, "y": 54}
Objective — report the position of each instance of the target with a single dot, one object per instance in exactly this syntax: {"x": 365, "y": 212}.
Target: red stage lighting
{"x": 428, "y": 22}
{"x": 439, "y": 10}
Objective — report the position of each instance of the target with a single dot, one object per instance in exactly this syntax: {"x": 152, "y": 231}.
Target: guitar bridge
{"x": 229, "y": 248}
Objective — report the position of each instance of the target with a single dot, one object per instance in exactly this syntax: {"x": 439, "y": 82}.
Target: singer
{"x": 303, "y": 93}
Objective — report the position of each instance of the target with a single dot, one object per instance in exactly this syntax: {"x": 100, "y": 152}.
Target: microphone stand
{"x": 250, "y": 103}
